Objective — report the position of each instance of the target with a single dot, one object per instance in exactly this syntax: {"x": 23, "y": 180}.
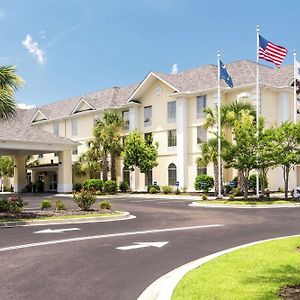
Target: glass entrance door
{"x": 52, "y": 182}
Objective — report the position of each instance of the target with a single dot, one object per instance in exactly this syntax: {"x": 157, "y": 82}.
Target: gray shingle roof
{"x": 19, "y": 129}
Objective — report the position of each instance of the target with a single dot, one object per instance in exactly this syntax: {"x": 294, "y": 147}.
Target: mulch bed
{"x": 51, "y": 213}
{"x": 290, "y": 292}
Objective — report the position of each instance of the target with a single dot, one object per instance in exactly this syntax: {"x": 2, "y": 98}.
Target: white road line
{"x": 152, "y": 200}
{"x": 94, "y": 237}
{"x": 166, "y": 202}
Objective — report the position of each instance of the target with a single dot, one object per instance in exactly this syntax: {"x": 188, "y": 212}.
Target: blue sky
{"x": 80, "y": 46}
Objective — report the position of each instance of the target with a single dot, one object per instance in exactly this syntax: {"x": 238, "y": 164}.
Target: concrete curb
{"x": 197, "y": 204}
{"x": 163, "y": 287}
{"x": 121, "y": 217}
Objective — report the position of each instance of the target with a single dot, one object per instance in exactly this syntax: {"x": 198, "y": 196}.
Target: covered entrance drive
{"x": 21, "y": 141}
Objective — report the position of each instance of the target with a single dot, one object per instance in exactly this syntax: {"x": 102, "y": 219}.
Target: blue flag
{"x": 224, "y": 74}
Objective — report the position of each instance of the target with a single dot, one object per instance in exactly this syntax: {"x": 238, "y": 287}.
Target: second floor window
{"x": 201, "y": 134}
{"x": 125, "y": 117}
{"x": 201, "y": 105}
{"x": 56, "y": 128}
{"x": 75, "y": 151}
{"x": 172, "y": 140}
{"x": 147, "y": 116}
{"x": 74, "y": 127}
{"x": 171, "y": 111}
{"x": 201, "y": 171}
{"x": 148, "y": 137}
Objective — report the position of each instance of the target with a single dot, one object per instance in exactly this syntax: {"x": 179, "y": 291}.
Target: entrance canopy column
{"x": 19, "y": 173}
{"x": 65, "y": 171}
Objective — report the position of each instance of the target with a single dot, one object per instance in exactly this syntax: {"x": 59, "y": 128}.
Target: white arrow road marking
{"x": 143, "y": 245}
{"x": 94, "y": 237}
{"x": 57, "y": 230}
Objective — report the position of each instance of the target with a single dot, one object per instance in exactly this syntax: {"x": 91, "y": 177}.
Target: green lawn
{"x": 254, "y": 273}
{"x": 249, "y": 202}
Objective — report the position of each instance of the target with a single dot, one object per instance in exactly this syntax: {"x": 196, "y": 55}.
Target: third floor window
{"x": 56, "y": 128}
{"x": 172, "y": 140}
{"x": 125, "y": 117}
{"x": 74, "y": 127}
{"x": 201, "y": 105}
{"x": 147, "y": 116}
{"x": 201, "y": 134}
{"x": 171, "y": 111}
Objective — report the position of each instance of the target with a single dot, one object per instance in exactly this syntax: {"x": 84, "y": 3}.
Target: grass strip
{"x": 249, "y": 202}
{"x": 256, "y": 273}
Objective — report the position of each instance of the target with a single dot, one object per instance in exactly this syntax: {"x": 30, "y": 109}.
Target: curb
{"x": 121, "y": 217}
{"x": 197, "y": 204}
{"x": 163, "y": 287}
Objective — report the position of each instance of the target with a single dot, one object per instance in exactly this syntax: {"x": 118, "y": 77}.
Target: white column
{"x": 64, "y": 184}
{"x": 134, "y": 124}
{"x": 181, "y": 121}
{"x": 283, "y": 107}
{"x": 19, "y": 173}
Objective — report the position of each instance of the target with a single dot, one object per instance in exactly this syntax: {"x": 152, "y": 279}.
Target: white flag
{"x": 297, "y": 70}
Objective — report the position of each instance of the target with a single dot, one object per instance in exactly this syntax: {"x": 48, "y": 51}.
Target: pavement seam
{"x": 163, "y": 287}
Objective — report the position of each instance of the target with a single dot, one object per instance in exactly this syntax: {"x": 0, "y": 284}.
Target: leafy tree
{"x": 6, "y": 167}
{"x": 139, "y": 153}
{"x": 203, "y": 182}
{"x": 9, "y": 83}
{"x": 241, "y": 155}
{"x": 286, "y": 147}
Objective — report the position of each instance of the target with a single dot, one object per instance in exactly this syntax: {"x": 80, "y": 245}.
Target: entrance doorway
{"x": 52, "y": 177}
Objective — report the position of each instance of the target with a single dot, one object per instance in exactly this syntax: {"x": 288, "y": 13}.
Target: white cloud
{"x": 42, "y": 34}
{"x": 25, "y": 106}
{"x": 174, "y": 69}
{"x": 33, "y": 48}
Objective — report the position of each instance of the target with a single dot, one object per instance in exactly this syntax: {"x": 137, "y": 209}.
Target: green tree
{"x": 241, "y": 155}
{"x": 6, "y": 167}
{"x": 9, "y": 83}
{"x": 286, "y": 147}
{"x": 140, "y": 153}
{"x": 107, "y": 138}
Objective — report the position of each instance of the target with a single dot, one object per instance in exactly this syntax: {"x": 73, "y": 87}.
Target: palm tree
{"x": 9, "y": 83}
{"x": 106, "y": 135}
{"x": 229, "y": 113}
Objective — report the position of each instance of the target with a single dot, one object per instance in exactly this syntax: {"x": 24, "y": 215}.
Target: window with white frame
{"x": 75, "y": 151}
{"x": 148, "y": 137}
{"x": 125, "y": 117}
{"x": 172, "y": 139}
{"x": 172, "y": 112}
{"x": 201, "y": 105}
{"x": 201, "y": 135}
{"x": 147, "y": 116}
{"x": 172, "y": 174}
{"x": 56, "y": 127}
{"x": 74, "y": 127}
{"x": 201, "y": 171}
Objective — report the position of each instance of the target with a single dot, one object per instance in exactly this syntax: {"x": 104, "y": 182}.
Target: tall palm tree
{"x": 107, "y": 136}
{"x": 9, "y": 83}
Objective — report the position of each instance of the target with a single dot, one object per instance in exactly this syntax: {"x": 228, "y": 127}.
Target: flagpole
{"x": 257, "y": 101}
{"x": 219, "y": 130}
{"x": 295, "y": 90}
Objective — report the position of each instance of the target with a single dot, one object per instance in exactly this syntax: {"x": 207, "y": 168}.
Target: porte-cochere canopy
{"x": 19, "y": 139}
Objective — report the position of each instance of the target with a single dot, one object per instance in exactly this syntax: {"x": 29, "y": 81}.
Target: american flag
{"x": 271, "y": 52}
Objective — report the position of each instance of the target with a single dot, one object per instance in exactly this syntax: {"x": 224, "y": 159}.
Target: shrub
{"x": 40, "y": 186}
{"x": 153, "y": 190}
{"x": 124, "y": 186}
{"x": 28, "y": 187}
{"x": 110, "y": 187}
{"x": 227, "y": 188}
{"x": 167, "y": 189}
{"x": 77, "y": 187}
{"x": 59, "y": 205}
{"x": 157, "y": 187}
{"x": 235, "y": 180}
{"x": 252, "y": 181}
{"x": 204, "y": 197}
{"x": 95, "y": 184}
{"x": 105, "y": 205}
{"x": 46, "y": 204}
{"x": 232, "y": 197}
{"x": 207, "y": 181}
{"x": 84, "y": 199}
{"x": 13, "y": 204}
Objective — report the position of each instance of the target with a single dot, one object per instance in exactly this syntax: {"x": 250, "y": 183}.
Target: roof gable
{"x": 38, "y": 116}
{"x": 81, "y": 106}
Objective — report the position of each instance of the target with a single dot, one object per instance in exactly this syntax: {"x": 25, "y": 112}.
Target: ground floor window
{"x": 172, "y": 174}
{"x": 126, "y": 175}
{"x": 148, "y": 178}
{"x": 201, "y": 171}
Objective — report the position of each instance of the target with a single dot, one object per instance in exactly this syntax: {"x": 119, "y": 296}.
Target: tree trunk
{"x": 113, "y": 168}
{"x": 262, "y": 182}
{"x": 216, "y": 176}
{"x": 286, "y": 182}
{"x": 245, "y": 179}
{"x": 105, "y": 168}
{"x": 241, "y": 180}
